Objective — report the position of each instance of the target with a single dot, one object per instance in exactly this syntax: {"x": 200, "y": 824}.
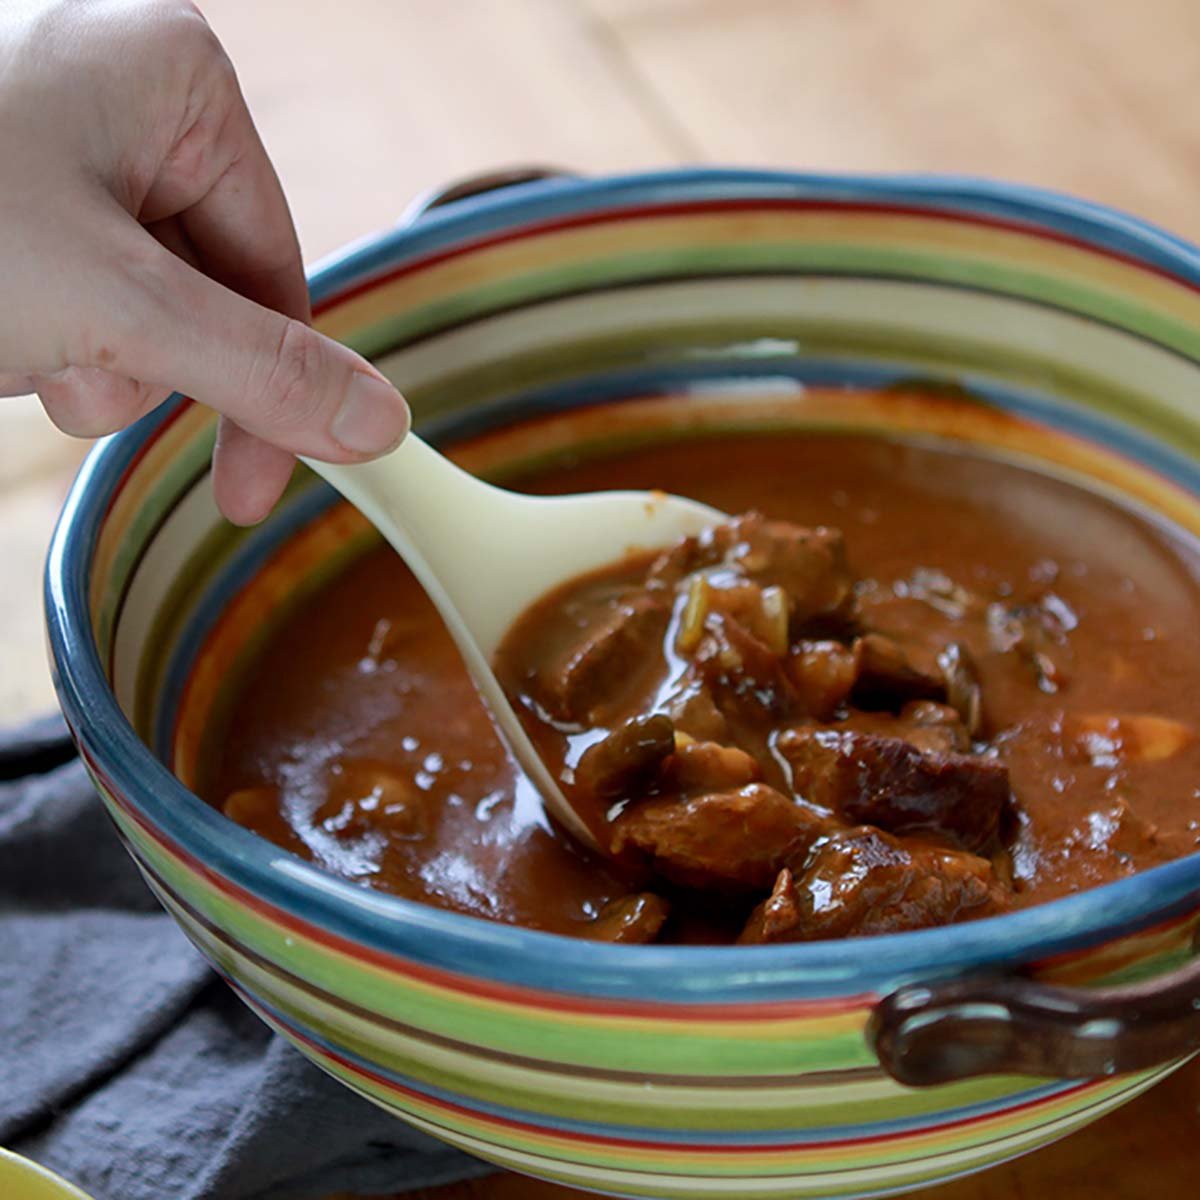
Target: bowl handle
{"x": 925, "y": 1035}
{"x": 478, "y": 185}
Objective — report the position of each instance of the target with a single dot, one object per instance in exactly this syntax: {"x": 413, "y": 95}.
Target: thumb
{"x": 273, "y": 375}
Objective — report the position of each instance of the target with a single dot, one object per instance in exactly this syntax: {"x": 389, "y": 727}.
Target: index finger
{"x": 227, "y": 200}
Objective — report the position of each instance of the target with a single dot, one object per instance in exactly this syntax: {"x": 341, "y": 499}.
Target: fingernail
{"x": 373, "y": 418}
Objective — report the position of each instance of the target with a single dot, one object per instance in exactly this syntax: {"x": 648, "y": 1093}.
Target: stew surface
{"x": 927, "y": 686}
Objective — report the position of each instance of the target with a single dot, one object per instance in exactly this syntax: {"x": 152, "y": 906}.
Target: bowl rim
{"x": 525, "y": 958}
{"x": 29, "y": 1171}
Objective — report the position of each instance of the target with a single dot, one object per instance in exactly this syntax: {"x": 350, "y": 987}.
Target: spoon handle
{"x": 489, "y": 552}
{"x": 483, "y": 554}
{"x": 453, "y": 531}
{"x": 464, "y": 539}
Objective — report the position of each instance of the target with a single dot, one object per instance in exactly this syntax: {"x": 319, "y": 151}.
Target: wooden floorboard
{"x": 1092, "y": 98}
{"x": 362, "y": 103}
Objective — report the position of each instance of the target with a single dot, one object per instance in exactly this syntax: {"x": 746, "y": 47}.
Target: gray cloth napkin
{"x": 125, "y": 1064}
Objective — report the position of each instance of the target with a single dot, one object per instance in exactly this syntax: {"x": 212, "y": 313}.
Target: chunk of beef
{"x": 963, "y": 692}
{"x": 628, "y": 759}
{"x": 822, "y": 674}
{"x": 733, "y": 840}
{"x": 695, "y": 713}
{"x": 809, "y": 565}
{"x": 888, "y": 782}
{"x": 708, "y": 766}
{"x": 778, "y": 918}
{"x": 593, "y": 674}
{"x": 925, "y": 724}
{"x": 924, "y": 620}
{"x": 879, "y": 672}
{"x": 887, "y": 674}
{"x": 674, "y": 564}
{"x": 863, "y": 881}
{"x": 635, "y": 919}
{"x": 928, "y": 725}
{"x": 742, "y": 676}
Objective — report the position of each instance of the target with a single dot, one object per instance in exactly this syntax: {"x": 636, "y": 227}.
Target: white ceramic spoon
{"x": 484, "y": 555}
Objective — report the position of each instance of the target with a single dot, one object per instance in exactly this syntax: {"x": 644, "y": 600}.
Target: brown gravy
{"x": 358, "y": 742}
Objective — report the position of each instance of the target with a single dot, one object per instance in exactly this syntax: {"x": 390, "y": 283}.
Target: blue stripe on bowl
{"x": 234, "y": 574}
{"x": 534, "y": 203}
{"x": 670, "y": 379}
{"x": 546, "y": 961}
{"x": 764, "y": 1139}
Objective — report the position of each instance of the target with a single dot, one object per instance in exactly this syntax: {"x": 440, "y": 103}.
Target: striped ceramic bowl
{"x": 640, "y": 1071}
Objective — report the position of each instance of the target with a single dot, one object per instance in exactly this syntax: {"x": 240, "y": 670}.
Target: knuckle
{"x": 289, "y": 394}
{"x": 81, "y": 402}
{"x": 207, "y": 50}
{"x": 188, "y": 42}
{"x": 181, "y": 23}
{"x": 177, "y": 26}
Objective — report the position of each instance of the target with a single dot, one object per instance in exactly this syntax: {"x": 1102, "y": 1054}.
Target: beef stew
{"x": 931, "y": 685}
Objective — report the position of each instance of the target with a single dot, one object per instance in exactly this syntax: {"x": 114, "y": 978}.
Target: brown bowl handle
{"x": 478, "y": 185}
{"x": 1008, "y": 1025}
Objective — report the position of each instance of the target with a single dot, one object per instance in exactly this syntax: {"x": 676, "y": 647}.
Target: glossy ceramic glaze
{"x": 21, "y": 1179}
{"x": 640, "y": 1071}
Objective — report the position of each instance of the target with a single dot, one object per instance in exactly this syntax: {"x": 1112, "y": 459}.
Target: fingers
{"x": 227, "y": 216}
{"x": 170, "y": 233}
{"x": 243, "y": 230}
{"x": 91, "y": 402}
{"x": 171, "y": 325}
{"x": 15, "y": 383}
{"x": 218, "y": 186}
{"x": 169, "y": 261}
{"x": 239, "y": 232}
{"x": 249, "y": 475}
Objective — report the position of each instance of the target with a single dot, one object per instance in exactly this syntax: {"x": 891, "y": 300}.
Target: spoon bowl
{"x": 484, "y": 554}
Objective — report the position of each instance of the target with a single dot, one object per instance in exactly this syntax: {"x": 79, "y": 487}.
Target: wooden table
{"x": 362, "y": 103}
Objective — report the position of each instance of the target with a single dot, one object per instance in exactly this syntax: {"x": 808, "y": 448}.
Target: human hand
{"x": 146, "y": 247}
